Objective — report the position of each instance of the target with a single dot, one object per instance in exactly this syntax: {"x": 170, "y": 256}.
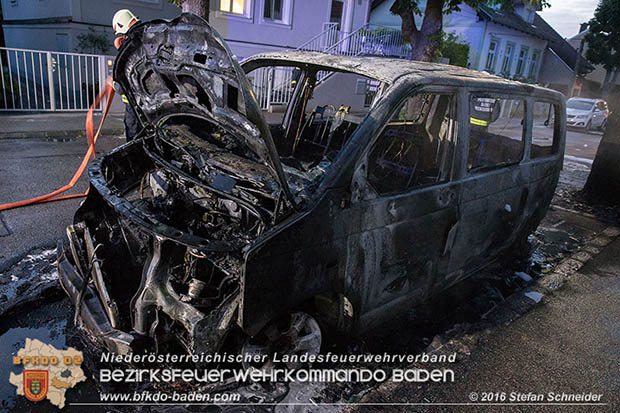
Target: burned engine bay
{"x": 185, "y": 203}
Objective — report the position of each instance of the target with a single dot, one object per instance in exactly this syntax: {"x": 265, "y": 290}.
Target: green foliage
{"x": 603, "y": 37}
{"x": 92, "y": 42}
{"x": 453, "y": 48}
{"x": 175, "y": 2}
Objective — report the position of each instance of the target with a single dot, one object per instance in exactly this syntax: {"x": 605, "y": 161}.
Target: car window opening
{"x": 496, "y": 132}
{"x": 415, "y": 149}
{"x": 312, "y": 114}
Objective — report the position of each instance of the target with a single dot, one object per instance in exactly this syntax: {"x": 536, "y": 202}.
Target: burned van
{"x": 266, "y": 200}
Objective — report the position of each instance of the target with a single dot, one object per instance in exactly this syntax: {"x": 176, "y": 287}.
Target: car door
{"x": 495, "y": 186}
{"x": 598, "y": 116}
{"x": 404, "y": 205}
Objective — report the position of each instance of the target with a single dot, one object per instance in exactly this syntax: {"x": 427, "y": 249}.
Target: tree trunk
{"x": 609, "y": 83}
{"x": 603, "y": 185}
{"x": 426, "y": 41}
{"x": 197, "y": 7}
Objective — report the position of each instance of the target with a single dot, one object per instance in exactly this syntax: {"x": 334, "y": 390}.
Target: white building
{"x": 500, "y": 42}
{"x": 249, "y": 26}
{"x": 254, "y": 26}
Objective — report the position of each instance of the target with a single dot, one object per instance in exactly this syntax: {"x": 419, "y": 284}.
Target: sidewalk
{"x": 568, "y": 343}
{"x": 55, "y": 125}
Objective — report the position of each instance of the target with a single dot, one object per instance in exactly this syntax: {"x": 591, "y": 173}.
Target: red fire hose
{"x": 92, "y": 139}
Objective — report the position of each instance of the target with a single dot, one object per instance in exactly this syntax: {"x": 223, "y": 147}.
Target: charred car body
{"x": 217, "y": 225}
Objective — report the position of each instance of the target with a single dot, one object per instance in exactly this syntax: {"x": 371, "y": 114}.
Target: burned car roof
{"x": 384, "y": 69}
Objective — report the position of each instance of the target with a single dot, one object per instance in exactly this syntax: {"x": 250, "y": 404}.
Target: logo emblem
{"x": 36, "y": 384}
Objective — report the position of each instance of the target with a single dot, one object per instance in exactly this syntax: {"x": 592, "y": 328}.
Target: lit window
{"x": 490, "y": 65}
{"x": 273, "y": 10}
{"x": 232, "y": 6}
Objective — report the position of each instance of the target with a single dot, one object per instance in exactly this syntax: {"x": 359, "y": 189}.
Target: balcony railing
{"x": 274, "y": 86}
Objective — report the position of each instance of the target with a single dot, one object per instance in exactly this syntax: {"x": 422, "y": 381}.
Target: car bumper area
{"x": 90, "y": 310}
{"x": 576, "y": 123}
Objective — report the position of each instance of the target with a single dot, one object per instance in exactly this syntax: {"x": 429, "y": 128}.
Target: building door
{"x": 336, "y": 12}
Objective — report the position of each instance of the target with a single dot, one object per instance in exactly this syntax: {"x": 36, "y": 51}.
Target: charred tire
{"x": 296, "y": 333}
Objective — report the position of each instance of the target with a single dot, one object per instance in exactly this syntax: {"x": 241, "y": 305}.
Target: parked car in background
{"x": 586, "y": 113}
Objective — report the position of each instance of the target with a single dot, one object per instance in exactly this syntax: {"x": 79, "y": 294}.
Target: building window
{"x": 533, "y": 64}
{"x": 273, "y": 10}
{"x": 277, "y": 12}
{"x": 522, "y": 59}
{"x": 233, "y": 6}
{"x": 490, "y": 65}
{"x": 13, "y": 3}
{"x": 508, "y": 55}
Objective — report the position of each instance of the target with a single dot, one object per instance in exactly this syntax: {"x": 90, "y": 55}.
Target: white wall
{"x": 246, "y": 35}
{"x": 599, "y": 72}
{"x": 251, "y": 34}
{"x": 519, "y": 39}
{"x": 35, "y": 9}
{"x": 555, "y": 71}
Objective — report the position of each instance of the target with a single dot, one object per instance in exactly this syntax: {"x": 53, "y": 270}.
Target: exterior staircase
{"x": 368, "y": 40}
{"x": 274, "y": 86}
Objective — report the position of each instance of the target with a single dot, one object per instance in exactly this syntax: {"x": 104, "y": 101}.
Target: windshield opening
{"x": 311, "y": 114}
{"x": 579, "y": 104}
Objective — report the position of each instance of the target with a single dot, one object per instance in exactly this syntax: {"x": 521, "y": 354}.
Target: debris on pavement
{"x": 33, "y": 277}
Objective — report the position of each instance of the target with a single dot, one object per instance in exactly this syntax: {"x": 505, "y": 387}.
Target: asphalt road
{"x": 33, "y": 167}
{"x": 568, "y": 344}
{"x": 582, "y": 144}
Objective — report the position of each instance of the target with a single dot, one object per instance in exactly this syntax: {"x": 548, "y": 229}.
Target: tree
{"x": 453, "y": 48}
{"x": 197, "y": 7}
{"x": 603, "y": 185}
{"x": 603, "y": 39}
{"x": 426, "y": 39}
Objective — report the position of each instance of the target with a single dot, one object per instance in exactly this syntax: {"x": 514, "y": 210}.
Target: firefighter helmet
{"x": 123, "y": 20}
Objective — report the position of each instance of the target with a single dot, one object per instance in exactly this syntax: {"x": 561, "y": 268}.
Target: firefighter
{"x": 121, "y": 23}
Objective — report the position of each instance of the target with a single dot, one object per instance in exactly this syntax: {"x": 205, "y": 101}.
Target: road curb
{"x": 570, "y": 265}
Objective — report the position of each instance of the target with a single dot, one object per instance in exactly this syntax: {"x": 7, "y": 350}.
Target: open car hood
{"x": 183, "y": 66}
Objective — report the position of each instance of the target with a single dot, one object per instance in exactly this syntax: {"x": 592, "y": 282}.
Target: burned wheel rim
{"x": 296, "y": 334}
